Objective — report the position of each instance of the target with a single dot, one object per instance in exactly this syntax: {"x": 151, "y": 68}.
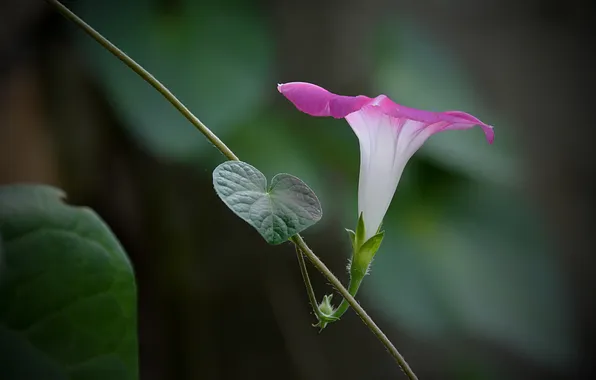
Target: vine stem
{"x": 296, "y": 239}
{"x": 146, "y": 75}
{"x": 309, "y": 289}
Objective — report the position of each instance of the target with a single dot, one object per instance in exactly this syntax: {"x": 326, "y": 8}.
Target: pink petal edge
{"x": 317, "y": 101}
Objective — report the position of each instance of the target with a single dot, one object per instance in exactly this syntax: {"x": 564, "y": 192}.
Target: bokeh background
{"x": 487, "y": 269}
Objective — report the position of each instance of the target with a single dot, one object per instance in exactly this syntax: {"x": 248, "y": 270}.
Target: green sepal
{"x": 365, "y": 254}
{"x": 352, "y": 235}
{"x": 325, "y": 312}
{"x": 325, "y": 307}
{"x": 371, "y": 246}
{"x": 360, "y": 234}
{"x": 380, "y": 227}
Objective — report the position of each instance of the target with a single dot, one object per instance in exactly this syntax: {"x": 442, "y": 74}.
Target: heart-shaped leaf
{"x": 278, "y": 212}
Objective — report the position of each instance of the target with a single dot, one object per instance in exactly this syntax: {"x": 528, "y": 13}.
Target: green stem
{"x": 353, "y": 287}
{"x": 147, "y": 77}
{"x": 309, "y": 289}
{"x": 297, "y": 239}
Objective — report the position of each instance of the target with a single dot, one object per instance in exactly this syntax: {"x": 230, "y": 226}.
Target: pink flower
{"x": 389, "y": 134}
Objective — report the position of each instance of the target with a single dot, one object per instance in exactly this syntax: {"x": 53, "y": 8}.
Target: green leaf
{"x": 67, "y": 293}
{"x": 277, "y": 212}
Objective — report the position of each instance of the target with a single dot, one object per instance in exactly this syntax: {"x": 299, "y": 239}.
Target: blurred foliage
{"x": 420, "y": 73}
{"x": 67, "y": 294}
{"x": 466, "y": 256}
{"x": 222, "y": 82}
{"x": 464, "y": 253}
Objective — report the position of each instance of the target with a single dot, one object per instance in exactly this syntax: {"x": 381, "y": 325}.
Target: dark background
{"x": 487, "y": 270}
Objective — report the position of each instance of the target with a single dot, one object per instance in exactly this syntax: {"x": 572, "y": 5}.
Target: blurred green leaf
{"x": 475, "y": 265}
{"x": 467, "y": 257}
{"x": 67, "y": 296}
{"x": 420, "y": 72}
{"x": 278, "y": 211}
{"x": 215, "y": 55}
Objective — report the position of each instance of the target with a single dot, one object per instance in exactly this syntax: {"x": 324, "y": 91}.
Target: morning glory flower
{"x": 389, "y": 134}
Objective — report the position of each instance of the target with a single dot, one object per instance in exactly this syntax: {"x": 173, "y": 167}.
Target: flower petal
{"x": 384, "y": 152}
{"x": 388, "y": 133}
{"x": 437, "y": 121}
{"x": 316, "y": 101}
{"x": 464, "y": 120}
